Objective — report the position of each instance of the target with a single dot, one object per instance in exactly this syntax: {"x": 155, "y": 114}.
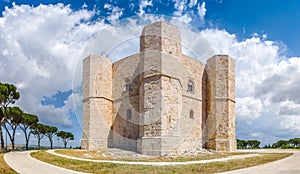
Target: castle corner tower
{"x": 97, "y": 102}
{"x": 220, "y": 121}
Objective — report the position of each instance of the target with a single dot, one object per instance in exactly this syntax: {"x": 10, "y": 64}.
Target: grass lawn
{"x": 4, "y": 168}
{"x": 92, "y": 167}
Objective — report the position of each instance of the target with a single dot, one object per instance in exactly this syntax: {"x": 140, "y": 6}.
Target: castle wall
{"x": 192, "y": 102}
{"x": 125, "y": 126}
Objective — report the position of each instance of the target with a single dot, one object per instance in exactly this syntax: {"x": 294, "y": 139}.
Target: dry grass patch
{"x": 92, "y": 167}
{"x": 98, "y": 155}
{"x": 4, "y": 168}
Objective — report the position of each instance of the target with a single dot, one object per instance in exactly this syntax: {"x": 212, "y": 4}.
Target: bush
{"x": 287, "y": 146}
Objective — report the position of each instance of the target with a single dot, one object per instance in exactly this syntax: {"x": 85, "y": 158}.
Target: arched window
{"x": 191, "y": 114}
{"x": 128, "y": 114}
{"x": 127, "y": 84}
{"x": 190, "y": 86}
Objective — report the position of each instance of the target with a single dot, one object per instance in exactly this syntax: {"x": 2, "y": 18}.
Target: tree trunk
{"x": 26, "y": 139}
{"x": 39, "y": 142}
{"x": 13, "y": 145}
{"x": 2, "y": 139}
{"x": 27, "y": 145}
{"x": 51, "y": 143}
{"x": 11, "y": 136}
{"x": 65, "y": 143}
{"x": 12, "y": 139}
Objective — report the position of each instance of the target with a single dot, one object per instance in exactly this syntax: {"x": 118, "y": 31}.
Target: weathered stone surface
{"x": 97, "y": 102}
{"x": 221, "y": 112}
{"x": 162, "y": 37}
{"x": 159, "y": 102}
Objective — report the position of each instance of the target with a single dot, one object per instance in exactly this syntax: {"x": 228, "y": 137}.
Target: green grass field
{"x": 92, "y": 167}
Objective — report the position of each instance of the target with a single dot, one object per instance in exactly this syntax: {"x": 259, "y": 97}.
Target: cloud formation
{"x": 143, "y": 4}
{"x": 38, "y": 45}
{"x": 201, "y": 10}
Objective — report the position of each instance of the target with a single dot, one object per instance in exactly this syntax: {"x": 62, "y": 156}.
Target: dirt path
{"x": 23, "y": 163}
{"x": 289, "y": 165}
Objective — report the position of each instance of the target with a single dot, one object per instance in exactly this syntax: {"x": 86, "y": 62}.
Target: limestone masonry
{"x": 159, "y": 102}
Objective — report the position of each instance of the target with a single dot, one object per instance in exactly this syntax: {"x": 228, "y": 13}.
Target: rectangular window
{"x": 128, "y": 87}
{"x": 190, "y": 87}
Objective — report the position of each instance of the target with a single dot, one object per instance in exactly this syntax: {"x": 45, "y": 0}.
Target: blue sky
{"x": 43, "y": 42}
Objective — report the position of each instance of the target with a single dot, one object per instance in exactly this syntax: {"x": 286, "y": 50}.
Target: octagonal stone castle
{"x": 159, "y": 102}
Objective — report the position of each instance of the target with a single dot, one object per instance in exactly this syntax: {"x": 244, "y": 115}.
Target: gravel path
{"x": 23, "y": 163}
{"x": 157, "y": 163}
{"x": 289, "y": 165}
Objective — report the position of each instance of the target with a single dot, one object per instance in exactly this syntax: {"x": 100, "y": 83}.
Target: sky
{"x": 42, "y": 44}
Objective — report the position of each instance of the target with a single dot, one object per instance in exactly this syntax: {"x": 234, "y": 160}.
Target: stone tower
{"x": 159, "y": 101}
{"x": 160, "y": 92}
{"x": 220, "y": 123}
{"x": 97, "y": 102}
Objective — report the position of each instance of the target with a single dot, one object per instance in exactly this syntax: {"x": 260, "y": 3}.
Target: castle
{"x": 159, "y": 101}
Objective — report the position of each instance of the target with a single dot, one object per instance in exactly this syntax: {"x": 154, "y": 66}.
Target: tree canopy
{"x": 13, "y": 120}
{"x": 294, "y": 141}
{"x": 28, "y": 120}
{"x": 50, "y": 131}
{"x": 8, "y": 95}
{"x": 38, "y": 132}
{"x": 280, "y": 143}
{"x": 244, "y": 144}
{"x": 66, "y": 137}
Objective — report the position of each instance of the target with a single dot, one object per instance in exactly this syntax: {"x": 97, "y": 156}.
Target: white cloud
{"x": 184, "y": 18}
{"x": 143, "y": 4}
{"x": 290, "y": 123}
{"x": 255, "y": 134}
{"x": 201, "y": 10}
{"x": 107, "y": 6}
{"x": 116, "y": 13}
{"x": 287, "y": 108}
{"x": 186, "y": 12}
{"x": 288, "y": 116}
{"x": 73, "y": 102}
{"x": 41, "y": 46}
{"x": 282, "y": 84}
{"x": 84, "y": 5}
{"x": 192, "y": 3}
{"x": 180, "y": 6}
{"x": 248, "y": 109}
